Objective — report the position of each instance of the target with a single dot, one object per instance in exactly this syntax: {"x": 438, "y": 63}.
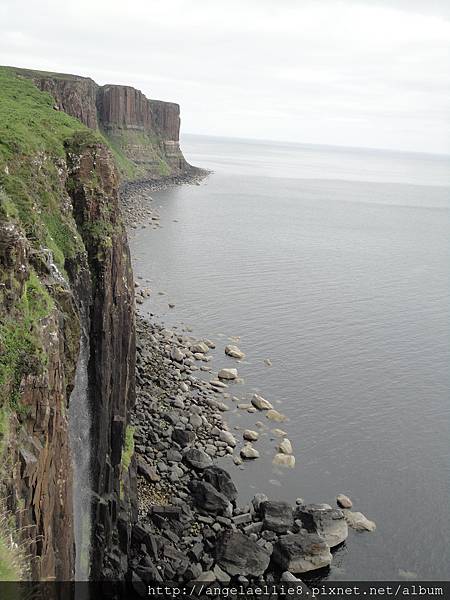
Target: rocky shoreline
{"x": 190, "y": 527}
{"x": 136, "y": 200}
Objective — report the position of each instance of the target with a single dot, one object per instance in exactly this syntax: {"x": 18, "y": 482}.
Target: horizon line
{"x": 323, "y": 145}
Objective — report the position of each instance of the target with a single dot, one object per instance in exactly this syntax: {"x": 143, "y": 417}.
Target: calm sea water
{"x": 333, "y": 263}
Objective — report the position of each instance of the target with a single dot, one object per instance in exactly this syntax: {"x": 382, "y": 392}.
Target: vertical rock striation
{"x": 144, "y": 133}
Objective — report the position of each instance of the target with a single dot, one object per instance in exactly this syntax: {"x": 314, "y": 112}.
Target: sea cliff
{"x": 65, "y": 272}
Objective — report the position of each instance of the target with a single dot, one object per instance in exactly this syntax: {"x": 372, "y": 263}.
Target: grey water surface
{"x": 333, "y": 263}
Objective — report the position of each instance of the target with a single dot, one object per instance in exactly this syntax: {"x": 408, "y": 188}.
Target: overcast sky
{"x": 373, "y": 73}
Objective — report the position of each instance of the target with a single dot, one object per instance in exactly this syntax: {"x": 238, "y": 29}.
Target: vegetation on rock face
{"x": 57, "y": 217}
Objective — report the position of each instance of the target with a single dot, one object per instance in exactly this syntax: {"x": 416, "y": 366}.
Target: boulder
{"x": 221, "y": 481}
{"x": 284, "y": 460}
{"x": 358, "y": 521}
{"x": 237, "y": 554}
{"x": 329, "y": 523}
{"x": 197, "y": 458}
{"x": 199, "y": 347}
{"x": 301, "y": 552}
{"x": 228, "y": 438}
{"x": 227, "y": 374}
{"x": 234, "y": 351}
{"x": 274, "y": 415}
{"x": 249, "y": 452}
{"x": 257, "y": 501}
{"x": 261, "y": 403}
{"x": 277, "y": 516}
{"x": 208, "y": 498}
{"x": 285, "y": 447}
{"x": 250, "y": 435}
{"x": 177, "y": 355}
{"x": 148, "y": 472}
{"x": 183, "y": 437}
{"x": 343, "y": 501}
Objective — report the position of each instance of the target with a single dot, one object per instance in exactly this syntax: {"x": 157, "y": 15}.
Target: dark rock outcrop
{"x": 277, "y": 516}
{"x": 237, "y": 554}
{"x": 328, "y": 522}
{"x": 112, "y": 337}
{"x": 302, "y": 552}
{"x": 221, "y": 480}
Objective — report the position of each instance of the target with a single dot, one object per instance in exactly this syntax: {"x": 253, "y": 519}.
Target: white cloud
{"x": 369, "y": 73}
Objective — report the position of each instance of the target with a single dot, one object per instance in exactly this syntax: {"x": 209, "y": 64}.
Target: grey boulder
{"x": 237, "y": 554}
{"x": 221, "y": 481}
{"x": 301, "y": 552}
{"x": 277, "y": 516}
{"x": 327, "y": 522}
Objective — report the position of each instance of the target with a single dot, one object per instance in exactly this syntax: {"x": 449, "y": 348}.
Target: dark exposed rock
{"x": 221, "y": 480}
{"x": 197, "y": 458}
{"x": 301, "y": 552}
{"x": 329, "y": 523}
{"x": 277, "y": 516}
{"x": 207, "y": 497}
{"x": 237, "y": 554}
{"x": 183, "y": 437}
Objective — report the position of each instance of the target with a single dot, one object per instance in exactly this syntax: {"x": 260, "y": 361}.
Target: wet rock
{"x": 197, "y": 458}
{"x": 301, "y": 552}
{"x": 237, "y": 554}
{"x": 250, "y": 435}
{"x": 284, "y": 460}
{"x": 199, "y": 347}
{"x": 261, "y": 403}
{"x": 221, "y": 481}
{"x": 248, "y": 452}
{"x": 229, "y": 374}
{"x": 277, "y": 516}
{"x": 234, "y": 351}
{"x": 274, "y": 415}
{"x": 329, "y": 523}
{"x": 207, "y": 497}
{"x": 285, "y": 447}
{"x": 359, "y": 522}
{"x": 209, "y": 343}
{"x": 228, "y": 438}
{"x": 257, "y": 500}
{"x": 343, "y": 501}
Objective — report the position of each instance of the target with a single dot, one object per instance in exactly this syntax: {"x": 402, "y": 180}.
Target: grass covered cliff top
{"x": 28, "y": 121}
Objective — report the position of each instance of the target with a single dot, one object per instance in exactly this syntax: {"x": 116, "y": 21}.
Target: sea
{"x": 333, "y": 263}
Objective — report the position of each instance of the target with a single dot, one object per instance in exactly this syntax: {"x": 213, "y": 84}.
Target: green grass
{"x": 128, "y": 447}
{"x": 21, "y": 352}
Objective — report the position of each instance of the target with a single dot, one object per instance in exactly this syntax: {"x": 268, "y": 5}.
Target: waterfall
{"x": 80, "y": 442}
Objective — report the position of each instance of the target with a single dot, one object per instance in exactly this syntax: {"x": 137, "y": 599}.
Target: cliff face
{"x": 64, "y": 267}
{"x": 143, "y": 133}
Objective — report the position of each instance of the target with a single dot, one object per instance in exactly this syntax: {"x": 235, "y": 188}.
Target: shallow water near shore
{"x": 343, "y": 284}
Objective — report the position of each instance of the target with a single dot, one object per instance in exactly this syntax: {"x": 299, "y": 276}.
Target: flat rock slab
{"x": 237, "y": 554}
{"x": 327, "y": 522}
{"x": 302, "y": 552}
{"x": 277, "y": 516}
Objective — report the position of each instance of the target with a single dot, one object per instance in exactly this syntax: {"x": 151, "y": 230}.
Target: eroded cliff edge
{"x": 143, "y": 134}
{"x": 64, "y": 269}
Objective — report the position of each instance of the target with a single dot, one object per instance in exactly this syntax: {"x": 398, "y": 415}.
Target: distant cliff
{"x": 143, "y": 134}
